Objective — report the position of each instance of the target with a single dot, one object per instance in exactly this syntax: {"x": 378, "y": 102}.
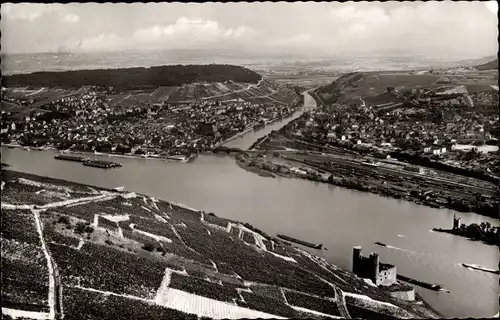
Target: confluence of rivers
{"x": 336, "y": 217}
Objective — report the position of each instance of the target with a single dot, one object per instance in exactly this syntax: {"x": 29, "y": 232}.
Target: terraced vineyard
{"x": 103, "y": 254}
{"x": 262, "y": 92}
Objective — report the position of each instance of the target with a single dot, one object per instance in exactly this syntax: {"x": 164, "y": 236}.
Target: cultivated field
{"x": 265, "y": 92}
{"x": 372, "y": 87}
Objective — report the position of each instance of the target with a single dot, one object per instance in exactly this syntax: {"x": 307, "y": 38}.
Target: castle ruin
{"x": 456, "y": 222}
{"x": 381, "y": 274}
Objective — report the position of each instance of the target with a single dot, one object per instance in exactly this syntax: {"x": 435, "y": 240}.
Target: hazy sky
{"x": 464, "y": 29}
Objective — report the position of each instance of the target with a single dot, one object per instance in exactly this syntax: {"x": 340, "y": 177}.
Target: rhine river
{"x": 336, "y": 217}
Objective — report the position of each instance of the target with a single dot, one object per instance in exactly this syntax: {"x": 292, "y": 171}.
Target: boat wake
{"x": 400, "y": 249}
{"x": 479, "y": 268}
{"x": 380, "y": 244}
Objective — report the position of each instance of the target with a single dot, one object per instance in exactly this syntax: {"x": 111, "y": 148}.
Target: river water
{"x": 336, "y": 217}
{"x": 244, "y": 142}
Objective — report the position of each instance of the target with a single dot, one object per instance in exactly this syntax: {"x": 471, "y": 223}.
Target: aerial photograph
{"x": 263, "y": 160}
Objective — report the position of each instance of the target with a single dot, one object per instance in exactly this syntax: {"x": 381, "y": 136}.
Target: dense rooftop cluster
{"x": 437, "y": 122}
{"x": 96, "y": 119}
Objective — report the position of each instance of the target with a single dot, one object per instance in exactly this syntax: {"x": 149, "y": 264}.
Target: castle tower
{"x": 456, "y": 222}
{"x": 374, "y": 264}
{"x": 356, "y": 256}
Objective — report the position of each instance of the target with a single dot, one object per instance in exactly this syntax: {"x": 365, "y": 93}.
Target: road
{"x": 341, "y": 304}
{"x": 52, "y": 278}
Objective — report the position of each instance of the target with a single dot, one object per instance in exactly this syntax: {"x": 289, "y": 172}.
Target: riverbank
{"x": 111, "y": 155}
{"x": 261, "y": 172}
{"x": 488, "y": 239}
{"x": 367, "y": 178}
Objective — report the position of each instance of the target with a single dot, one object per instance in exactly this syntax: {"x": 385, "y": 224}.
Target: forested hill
{"x": 131, "y": 78}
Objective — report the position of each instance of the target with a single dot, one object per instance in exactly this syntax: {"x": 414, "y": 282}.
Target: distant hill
{"x": 491, "y": 65}
{"x": 132, "y": 78}
{"x": 473, "y": 62}
{"x": 333, "y": 91}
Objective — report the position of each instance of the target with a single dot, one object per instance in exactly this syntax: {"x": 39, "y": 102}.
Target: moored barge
{"x": 304, "y": 243}
{"x": 70, "y": 158}
{"x": 101, "y": 164}
{"x": 426, "y": 285}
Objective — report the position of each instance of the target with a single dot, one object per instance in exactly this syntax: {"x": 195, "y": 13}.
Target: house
{"x": 438, "y": 149}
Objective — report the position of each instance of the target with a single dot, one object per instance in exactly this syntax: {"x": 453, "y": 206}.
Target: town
{"x": 94, "y": 119}
{"x": 430, "y": 143}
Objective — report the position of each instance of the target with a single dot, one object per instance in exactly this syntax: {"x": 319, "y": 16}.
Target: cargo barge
{"x": 304, "y": 243}
{"x": 101, "y": 164}
{"x": 476, "y": 267}
{"x": 70, "y": 158}
{"x": 426, "y": 285}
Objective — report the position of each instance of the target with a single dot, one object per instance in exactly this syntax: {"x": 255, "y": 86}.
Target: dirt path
{"x": 14, "y": 313}
{"x": 341, "y": 304}
{"x": 50, "y": 265}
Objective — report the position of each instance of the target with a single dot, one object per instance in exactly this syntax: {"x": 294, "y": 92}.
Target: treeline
{"x": 134, "y": 78}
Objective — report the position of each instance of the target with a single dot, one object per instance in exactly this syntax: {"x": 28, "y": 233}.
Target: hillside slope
{"x": 128, "y": 256}
{"x": 130, "y": 78}
{"x": 491, "y": 65}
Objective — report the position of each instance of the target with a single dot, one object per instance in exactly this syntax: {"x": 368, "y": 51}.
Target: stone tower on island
{"x": 456, "y": 222}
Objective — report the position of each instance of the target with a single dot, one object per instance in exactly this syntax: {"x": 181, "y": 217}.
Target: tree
{"x": 390, "y": 89}
{"x": 474, "y": 231}
{"x": 482, "y": 225}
